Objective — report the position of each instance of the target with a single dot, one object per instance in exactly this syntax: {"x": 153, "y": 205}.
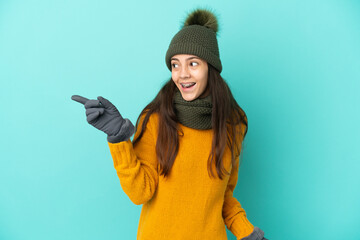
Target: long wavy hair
{"x": 227, "y": 117}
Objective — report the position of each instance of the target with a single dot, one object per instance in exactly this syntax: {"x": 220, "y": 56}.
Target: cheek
{"x": 202, "y": 76}
{"x": 204, "y": 80}
{"x": 174, "y": 76}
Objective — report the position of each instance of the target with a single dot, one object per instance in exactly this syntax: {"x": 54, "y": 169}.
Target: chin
{"x": 188, "y": 97}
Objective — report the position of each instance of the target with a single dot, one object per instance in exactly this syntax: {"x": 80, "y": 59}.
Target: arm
{"x": 233, "y": 213}
{"x": 136, "y": 166}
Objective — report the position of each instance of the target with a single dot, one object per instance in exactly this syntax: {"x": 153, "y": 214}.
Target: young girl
{"x": 193, "y": 128}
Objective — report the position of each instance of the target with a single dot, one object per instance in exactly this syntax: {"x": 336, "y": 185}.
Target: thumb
{"x": 106, "y": 103}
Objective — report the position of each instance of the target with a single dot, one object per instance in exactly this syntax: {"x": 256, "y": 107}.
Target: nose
{"x": 184, "y": 73}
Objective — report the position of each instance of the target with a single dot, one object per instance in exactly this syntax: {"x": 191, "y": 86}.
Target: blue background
{"x": 293, "y": 66}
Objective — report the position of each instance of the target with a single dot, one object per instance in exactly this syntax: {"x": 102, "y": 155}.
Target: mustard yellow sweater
{"x": 187, "y": 205}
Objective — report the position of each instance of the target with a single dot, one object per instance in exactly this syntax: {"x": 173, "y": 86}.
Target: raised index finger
{"x": 79, "y": 99}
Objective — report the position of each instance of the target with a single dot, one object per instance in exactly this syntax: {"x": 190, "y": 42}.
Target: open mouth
{"x": 187, "y": 85}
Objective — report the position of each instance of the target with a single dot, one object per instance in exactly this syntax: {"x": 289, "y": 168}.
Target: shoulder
{"x": 242, "y": 129}
{"x": 244, "y": 126}
{"x": 152, "y": 123}
{"x": 153, "y": 118}
{"x": 239, "y": 130}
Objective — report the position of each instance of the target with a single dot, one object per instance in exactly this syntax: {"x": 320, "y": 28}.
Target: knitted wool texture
{"x": 195, "y": 40}
{"x": 189, "y": 204}
{"x": 193, "y": 114}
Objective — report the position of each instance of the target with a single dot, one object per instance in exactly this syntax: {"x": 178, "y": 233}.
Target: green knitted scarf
{"x": 193, "y": 114}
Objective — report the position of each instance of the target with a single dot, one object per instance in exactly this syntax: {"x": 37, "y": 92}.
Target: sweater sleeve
{"x": 136, "y": 166}
{"x": 234, "y": 215}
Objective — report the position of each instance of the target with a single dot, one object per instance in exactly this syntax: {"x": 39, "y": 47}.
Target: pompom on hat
{"x": 197, "y": 37}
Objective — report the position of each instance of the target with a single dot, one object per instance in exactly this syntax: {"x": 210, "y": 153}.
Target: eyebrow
{"x": 186, "y": 59}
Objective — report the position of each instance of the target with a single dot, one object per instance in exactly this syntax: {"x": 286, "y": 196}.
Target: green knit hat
{"x": 197, "y": 37}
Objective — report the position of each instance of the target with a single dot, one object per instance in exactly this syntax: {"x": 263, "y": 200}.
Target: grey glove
{"x": 103, "y": 115}
{"x": 257, "y": 234}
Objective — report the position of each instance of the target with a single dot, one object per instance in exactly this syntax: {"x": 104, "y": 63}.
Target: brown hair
{"x": 227, "y": 117}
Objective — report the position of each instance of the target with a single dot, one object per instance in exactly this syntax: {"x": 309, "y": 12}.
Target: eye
{"x": 173, "y": 65}
{"x": 195, "y": 63}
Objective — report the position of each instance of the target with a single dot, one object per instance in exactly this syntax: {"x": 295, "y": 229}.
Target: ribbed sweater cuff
{"x": 123, "y": 154}
{"x": 117, "y": 139}
{"x": 257, "y": 234}
{"x": 241, "y": 227}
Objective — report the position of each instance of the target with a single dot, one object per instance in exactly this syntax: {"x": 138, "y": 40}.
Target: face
{"x": 187, "y": 69}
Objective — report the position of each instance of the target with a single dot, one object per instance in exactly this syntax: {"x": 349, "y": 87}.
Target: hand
{"x": 257, "y": 234}
{"x": 103, "y": 115}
